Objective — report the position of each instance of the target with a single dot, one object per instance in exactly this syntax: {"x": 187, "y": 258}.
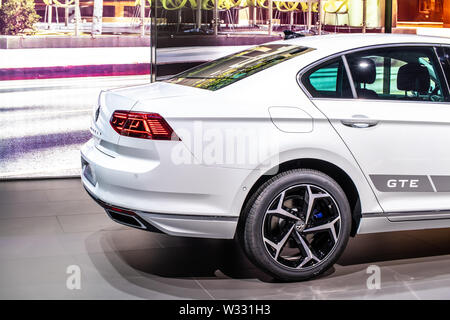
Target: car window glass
{"x": 444, "y": 57}
{"x": 324, "y": 79}
{"x": 328, "y": 80}
{"x": 405, "y": 73}
{"x": 227, "y": 70}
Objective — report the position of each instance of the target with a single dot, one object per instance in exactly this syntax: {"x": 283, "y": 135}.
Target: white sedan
{"x": 291, "y": 147}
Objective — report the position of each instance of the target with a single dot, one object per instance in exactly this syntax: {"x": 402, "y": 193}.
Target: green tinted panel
{"x": 325, "y": 79}
{"x": 328, "y": 80}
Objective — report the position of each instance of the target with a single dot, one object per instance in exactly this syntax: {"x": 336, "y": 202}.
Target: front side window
{"x": 405, "y": 73}
{"x": 222, "y": 72}
{"x": 328, "y": 80}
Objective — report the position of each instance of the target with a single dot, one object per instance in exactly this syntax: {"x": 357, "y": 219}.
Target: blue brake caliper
{"x": 317, "y": 214}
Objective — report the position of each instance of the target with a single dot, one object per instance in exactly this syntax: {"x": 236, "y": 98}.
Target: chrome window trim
{"x": 378, "y": 100}
{"x": 341, "y": 54}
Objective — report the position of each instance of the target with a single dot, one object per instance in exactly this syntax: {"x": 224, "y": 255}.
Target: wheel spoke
{"x": 311, "y": 198}
{"x": 305, "y": 248}
{"x": 310, "y": 204}
{"x": 279, "y": 246}
{"x": 279, "y": 211}
{"x": 283, "y": 214}
{"x": 329, "y": 225}
{"x": 280, "y": 202}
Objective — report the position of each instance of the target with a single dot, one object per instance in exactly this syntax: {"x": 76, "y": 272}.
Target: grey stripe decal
{"x": 432, "y": 184}
{"x": 442, "y": 183}
{"x": 410, "y": 183}
{"x": 401, "y": 183}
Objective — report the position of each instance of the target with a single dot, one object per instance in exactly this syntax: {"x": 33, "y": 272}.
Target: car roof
{"x": 334, "y": 43}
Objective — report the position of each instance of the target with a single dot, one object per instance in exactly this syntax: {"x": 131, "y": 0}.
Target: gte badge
{"x": 402, "y": 183}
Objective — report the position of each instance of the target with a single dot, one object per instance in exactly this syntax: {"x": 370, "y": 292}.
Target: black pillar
{"x": 153, "y": 40}
{"x": 388, "y": 16}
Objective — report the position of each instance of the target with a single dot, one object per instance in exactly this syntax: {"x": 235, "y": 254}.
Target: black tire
{"x": 256, "y": 221}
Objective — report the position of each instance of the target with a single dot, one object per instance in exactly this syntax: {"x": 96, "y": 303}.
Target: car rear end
{"x": 142, "y": 165}
{"x": 130, "y": 167}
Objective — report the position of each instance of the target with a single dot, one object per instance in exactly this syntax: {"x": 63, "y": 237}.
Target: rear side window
{"x": 402, "y": 73}
{"x": 222, "y": 72}
{"x": 328, "y": 80}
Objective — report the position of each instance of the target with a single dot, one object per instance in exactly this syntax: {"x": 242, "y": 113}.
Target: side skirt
{"x": 402, "y": 221}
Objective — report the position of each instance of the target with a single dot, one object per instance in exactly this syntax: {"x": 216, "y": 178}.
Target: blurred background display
{"x": 57, "y": 55}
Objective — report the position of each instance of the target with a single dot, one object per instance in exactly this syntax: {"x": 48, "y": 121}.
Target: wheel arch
{"x": 330, "y": 169}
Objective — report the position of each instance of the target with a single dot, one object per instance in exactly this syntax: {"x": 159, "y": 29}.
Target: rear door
{"x": 391, "y": 107}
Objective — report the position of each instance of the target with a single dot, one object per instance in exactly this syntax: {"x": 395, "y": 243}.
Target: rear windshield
{"x": 222, "y": 72}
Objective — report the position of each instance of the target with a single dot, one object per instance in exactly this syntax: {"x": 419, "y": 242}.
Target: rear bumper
{"x": 149, "y": 181}
{"x": 176, "y": 225}
{"x": 156, "y": 195}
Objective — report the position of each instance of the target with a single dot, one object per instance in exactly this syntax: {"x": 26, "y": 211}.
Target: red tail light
{"x": 142, "y": 125}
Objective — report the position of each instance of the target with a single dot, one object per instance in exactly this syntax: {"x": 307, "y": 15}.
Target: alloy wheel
{"x": 301, "y": 227}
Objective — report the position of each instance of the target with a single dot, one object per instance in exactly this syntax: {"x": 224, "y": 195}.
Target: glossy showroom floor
{"x": 48, "y": 225}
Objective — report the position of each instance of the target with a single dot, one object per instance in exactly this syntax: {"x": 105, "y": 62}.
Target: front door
{"x": 397, "y": 127}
